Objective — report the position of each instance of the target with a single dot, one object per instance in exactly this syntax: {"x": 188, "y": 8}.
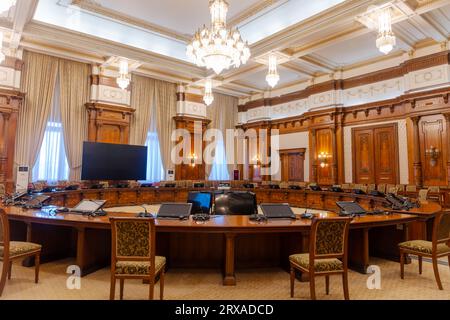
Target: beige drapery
{"x": 143, "y": 101}
{"x": 38, "y": 82}
{"x": 166, "y": 109}
{"x": 223, "y": 115}
{"x": 74, "y": 94}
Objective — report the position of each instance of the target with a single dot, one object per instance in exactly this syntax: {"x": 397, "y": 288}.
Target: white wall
{"x": 402, "y": 150}
{"x": 293, "y": 141}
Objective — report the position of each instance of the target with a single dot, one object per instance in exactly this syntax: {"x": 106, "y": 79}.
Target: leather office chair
{"x": 133, "y": 254}
{"x": 14, "y": 250}
{"x": 438, "y": 247}
{"x": 328, "y": 251}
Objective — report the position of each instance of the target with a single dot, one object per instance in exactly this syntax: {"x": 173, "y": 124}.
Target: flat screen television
{"x": 107, "y": 161}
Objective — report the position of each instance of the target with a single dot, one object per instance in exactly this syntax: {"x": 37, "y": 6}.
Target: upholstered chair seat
{"x": 139, "y": 267}
{"x": 18, "y": 248}
{"x": 302, "y": 259}
{"x": 424, "y": 246}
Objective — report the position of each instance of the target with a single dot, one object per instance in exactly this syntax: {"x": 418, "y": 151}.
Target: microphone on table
{"x": 144, "y": 214}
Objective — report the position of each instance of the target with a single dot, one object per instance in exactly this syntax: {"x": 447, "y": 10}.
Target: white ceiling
{"x": 318, "y": 37}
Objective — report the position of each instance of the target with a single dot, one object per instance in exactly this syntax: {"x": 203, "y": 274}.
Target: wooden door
{"x": 363, "y": 164}
{"x": 386, "y": 155}
{"x": 292, "y": 164}
{"x": 375, "y": 154}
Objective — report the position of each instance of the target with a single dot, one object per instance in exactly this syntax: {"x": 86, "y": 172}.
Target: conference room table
{"x": 229, "y": 242}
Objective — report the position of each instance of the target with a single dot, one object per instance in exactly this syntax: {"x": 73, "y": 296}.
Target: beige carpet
{"x": 207, "y": 284}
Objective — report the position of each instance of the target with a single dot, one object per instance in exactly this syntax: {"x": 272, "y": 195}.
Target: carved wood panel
{"x": 292, "y": 164}
{"x": 433, "y": 135}
{"x": 324, "y": 144}
{"x": 375, "y": 154}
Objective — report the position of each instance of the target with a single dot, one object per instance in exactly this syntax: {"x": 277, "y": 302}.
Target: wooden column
{"x": 334, "y": 167}
{"x": 418, "y": 178}
{"x": 447, "y": 121}
{"x": 312, "y": 156}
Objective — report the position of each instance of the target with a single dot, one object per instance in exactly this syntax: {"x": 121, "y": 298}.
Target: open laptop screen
{"x": 350, "y": 207}
{"x": 174, "y": 210}
{"x": 89, "y": 205}
{"x": 277, "y": 210}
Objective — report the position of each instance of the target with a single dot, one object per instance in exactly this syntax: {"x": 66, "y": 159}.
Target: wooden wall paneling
{"x": 340, "y": 154}
{"x": 362, "y": 149}
{"x": 447, "y": 122}
{"x": 324, "y": 143}
{"x": 313, "y": 155}
{"x": 109, "y": 123}
{"x": 410, "y": 141}
{"x": 433, "y": 134}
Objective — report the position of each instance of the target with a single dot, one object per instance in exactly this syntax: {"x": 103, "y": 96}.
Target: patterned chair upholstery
{"x": 423, "y": 195}
{"x": 411, "y": 188}
{"x": 15, "y": 250}
{"x": 434, "y": 189}
{"x": 133, "y": 254}
{"x": 438, "y": 247}
{"x": 371, "y": 187}
{"x": 327, "y": 253}
{"x": 284, "y": 184}
{"x": 2, "y": 190}
{"x": 381, "y": 187}
{"x": 346, "y": 186}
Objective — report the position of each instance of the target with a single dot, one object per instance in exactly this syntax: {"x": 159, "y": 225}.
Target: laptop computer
{"x": 350, "y": 208}
{"x": 277, "y": 210}
{"x": 88, "y": 206}
{"x": 174, "y": 210}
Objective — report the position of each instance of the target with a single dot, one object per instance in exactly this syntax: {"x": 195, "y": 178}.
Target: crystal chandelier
{"x": 272, "y": 76}
{"x": 124, "y": 78}
{"x": 217, "y": 47}
{"x": 386, "y": 38}
{"x": 208, "y": 98}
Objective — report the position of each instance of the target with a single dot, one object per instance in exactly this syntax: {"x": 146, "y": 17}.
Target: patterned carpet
{"x": 207, "y": 284}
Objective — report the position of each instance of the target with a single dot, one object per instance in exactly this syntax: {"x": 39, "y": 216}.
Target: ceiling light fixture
{"x": 208, "y": 98}
{"x": 124, "y": 78}
{"x": 217, "y": 47}
{"x": 272, "y": 76}
{"x": 386, "y": 38}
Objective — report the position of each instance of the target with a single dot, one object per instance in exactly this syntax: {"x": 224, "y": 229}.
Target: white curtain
{"x": 155, "y": 169}
{"x": 219, "y": 170}
{"x": 51, "y": 164}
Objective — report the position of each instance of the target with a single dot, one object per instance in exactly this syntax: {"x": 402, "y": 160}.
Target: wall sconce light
{"x": 193, "y": 158}
{"x": 323, "y": 159}
{"x": 433, "y": 153}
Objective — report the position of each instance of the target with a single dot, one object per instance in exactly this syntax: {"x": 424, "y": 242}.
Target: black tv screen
{"x": 107, "y": 161}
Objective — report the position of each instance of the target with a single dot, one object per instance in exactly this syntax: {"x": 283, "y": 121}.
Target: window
{"x": 51, "y": 163}
{"x": 155, "y": 169}
{"x": 219, "y": 170}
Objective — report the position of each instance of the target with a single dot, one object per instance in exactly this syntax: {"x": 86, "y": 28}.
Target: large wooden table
{"x": 228, "y": 241}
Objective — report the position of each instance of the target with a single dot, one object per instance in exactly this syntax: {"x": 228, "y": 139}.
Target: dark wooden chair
{"x": 328, "y": 251}
{"x": 438, "y": 247}
{"x": 133, "y": 254}
{"x": 14, "y": 250}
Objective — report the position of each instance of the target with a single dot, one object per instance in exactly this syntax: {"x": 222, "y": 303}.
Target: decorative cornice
{"x": 12, "y": 63}
{"x": 415, "y": 64}
{"x": 103, "y": 106}
{"x": 106, "y": 81}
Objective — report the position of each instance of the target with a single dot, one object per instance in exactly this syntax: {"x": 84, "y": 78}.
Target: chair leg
{"x": 3, "y": 276}
{"x": 161, "y": 285}
{"x": 151, "y": 288}
{"x": 37, "y": 264}
{"x": 312, "y": 286}
{"x": 436, "y": 273}
{"x": 420, "y": 264}
{"x": 402, "y": 265}
{"x": 327, "y": 285}
{"x": 293, "y": 280}
{"x": 112, "y": 291}
{"x": 122, "y": 283}
{"x": 345, "y": 285}
{"x": 10, "y": 270}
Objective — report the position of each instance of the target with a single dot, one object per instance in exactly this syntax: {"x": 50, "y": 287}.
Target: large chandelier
{"x": 208, "y": 97}
{"x": 272, "y": 76}
{"x": 124, "y": 78}
{"x": 217, "y": 47}
{"x": 386, "y": 38}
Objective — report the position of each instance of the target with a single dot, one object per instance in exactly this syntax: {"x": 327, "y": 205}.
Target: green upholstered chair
{"x": 14, "y": 250}
{"x": 133, "y": 254}
{"x": 328, "y": 251}
{"x": 438, "y": 247}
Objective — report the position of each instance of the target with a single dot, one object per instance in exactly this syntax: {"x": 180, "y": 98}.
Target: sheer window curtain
{"x": 155, "y": 168}
{"x": 51, "y": 164}
{"x": 219, "y": 169}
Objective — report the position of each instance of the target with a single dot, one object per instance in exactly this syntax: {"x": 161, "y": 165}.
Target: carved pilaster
{"x": 313, "y": 157}
{"x": 447, "y": 121}
{"x": 418, "y": 176}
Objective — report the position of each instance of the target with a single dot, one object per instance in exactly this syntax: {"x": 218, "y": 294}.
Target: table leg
{"x": 230, "y": 277}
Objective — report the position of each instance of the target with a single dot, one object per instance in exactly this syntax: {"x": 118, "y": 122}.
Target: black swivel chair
{"x": 235, "y": 203}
